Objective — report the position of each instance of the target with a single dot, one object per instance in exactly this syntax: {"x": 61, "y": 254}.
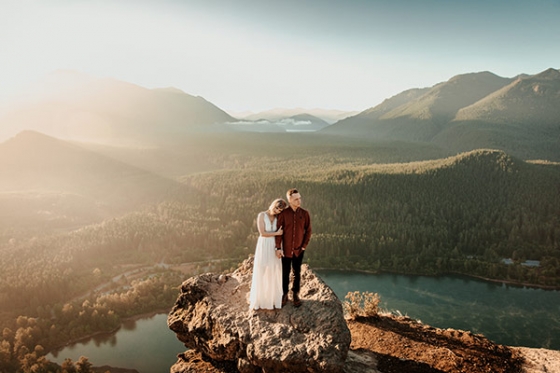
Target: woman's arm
{"x": 261, "y": 227}
{"x": 279, "y": 223}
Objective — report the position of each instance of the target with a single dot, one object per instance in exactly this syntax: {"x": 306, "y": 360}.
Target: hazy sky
{"x": 259, "y": 54}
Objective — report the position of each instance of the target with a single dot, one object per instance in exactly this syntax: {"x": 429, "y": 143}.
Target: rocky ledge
{"x": 212, "y": 317}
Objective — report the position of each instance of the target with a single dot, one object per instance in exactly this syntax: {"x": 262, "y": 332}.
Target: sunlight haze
{"x": 142, "y": 143}
{"x": 250, "y": 55}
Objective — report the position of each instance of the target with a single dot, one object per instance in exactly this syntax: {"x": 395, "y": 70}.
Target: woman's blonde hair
{"x": 279, "y": 202}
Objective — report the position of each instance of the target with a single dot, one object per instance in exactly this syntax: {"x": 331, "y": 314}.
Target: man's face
{"x": 295, "y": 200}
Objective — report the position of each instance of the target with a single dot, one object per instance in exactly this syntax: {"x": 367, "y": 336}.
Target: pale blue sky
{"x": 256, "y": 55}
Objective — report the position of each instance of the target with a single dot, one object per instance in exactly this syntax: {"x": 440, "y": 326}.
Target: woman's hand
{"x": 279, "y": 232}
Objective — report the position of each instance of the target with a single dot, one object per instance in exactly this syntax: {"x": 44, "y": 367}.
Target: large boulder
{"x": 212, "y": 316}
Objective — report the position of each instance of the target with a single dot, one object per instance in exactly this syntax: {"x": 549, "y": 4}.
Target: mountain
{"x": 522, "y": 118}
{"x": 77, "y": 106}
{"x": 441, "y": 103}
{"x": 329, "y": 116}
{"x": 392, "y": 103}
{"x": 530, "y": 99}
{"x": 418, "y": 114}
{"x": 47, "y": 179}
{"x": 478, "y": 110}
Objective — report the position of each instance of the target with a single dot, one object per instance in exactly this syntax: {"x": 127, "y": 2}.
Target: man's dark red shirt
{"x": 297, "y": 231}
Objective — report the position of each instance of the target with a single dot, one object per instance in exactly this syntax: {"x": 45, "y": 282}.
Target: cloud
{"x": 284, "y": 122}
{"x": 293, "y": 122}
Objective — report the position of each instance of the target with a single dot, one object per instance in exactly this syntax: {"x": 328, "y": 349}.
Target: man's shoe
{"x": 284, "y": 299}
{"x": 297, "y": 301}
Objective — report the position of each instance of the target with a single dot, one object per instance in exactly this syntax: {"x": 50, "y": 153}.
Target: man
{"x": 296, "y": 224}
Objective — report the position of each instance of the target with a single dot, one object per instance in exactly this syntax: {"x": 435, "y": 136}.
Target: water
{"x": 514, "y": 316}
{"x": 146, "y": 345}
{"x": 510, "y": 315}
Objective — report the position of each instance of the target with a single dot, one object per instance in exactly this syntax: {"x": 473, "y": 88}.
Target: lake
{"x": 146, "y": 345}
{"x": 511, "y": 315}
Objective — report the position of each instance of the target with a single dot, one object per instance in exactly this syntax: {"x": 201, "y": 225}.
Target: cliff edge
{"x": 212, "y": 317}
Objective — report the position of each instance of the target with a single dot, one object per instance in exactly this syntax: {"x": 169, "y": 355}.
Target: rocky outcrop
{"x": 212, "y": 317}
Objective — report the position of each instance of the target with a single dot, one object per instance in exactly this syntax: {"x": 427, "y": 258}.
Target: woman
{"x": 266, "y": 287}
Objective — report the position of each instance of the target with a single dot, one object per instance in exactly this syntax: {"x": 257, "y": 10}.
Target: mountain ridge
{"x": 474, "y": 110}
{"x": 520, "y": 100}
{"x": 78, "y": 106}
{"x": 520, "y": 115}
{"x": 443, "y": 100}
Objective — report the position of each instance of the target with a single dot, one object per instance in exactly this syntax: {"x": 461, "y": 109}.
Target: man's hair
{"x": 290, "y": 192}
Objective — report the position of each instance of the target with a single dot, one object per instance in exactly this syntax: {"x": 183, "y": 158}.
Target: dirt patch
{"x": 540, "y": 360}
{"x": 405, "y": 345}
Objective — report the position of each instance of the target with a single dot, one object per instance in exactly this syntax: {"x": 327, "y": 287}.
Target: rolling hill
{"x": 44, "y": 180}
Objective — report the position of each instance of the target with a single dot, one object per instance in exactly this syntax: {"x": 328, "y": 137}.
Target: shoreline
{"x": 507, "y": 282}
{"x": 511, "y": 282}
{"x": 145, "y": 315}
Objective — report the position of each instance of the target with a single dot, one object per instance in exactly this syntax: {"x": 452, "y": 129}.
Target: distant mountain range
{"x": 73, "y": 105}
{"x": 328, "y": 116}
{"x": 520, "y": 115}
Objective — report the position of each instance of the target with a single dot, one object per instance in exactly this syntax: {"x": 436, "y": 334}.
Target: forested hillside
{"x": 460, "y": 214}
{"x": 48, "y": 184}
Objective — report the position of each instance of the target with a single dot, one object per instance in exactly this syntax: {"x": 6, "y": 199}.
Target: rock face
{"x": 212, "y": 316}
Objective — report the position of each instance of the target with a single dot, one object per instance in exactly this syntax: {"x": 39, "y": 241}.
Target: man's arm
{"x": 307, "y": 233}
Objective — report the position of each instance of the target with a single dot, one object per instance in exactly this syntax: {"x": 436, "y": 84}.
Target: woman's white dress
{"x": 266, "y": 286}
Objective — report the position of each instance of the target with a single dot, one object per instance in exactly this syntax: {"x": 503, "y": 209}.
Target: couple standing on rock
{"x": 284, "y": 232}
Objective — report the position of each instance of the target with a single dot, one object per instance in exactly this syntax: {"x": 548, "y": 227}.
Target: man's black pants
{"x": 288, "y": 264}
